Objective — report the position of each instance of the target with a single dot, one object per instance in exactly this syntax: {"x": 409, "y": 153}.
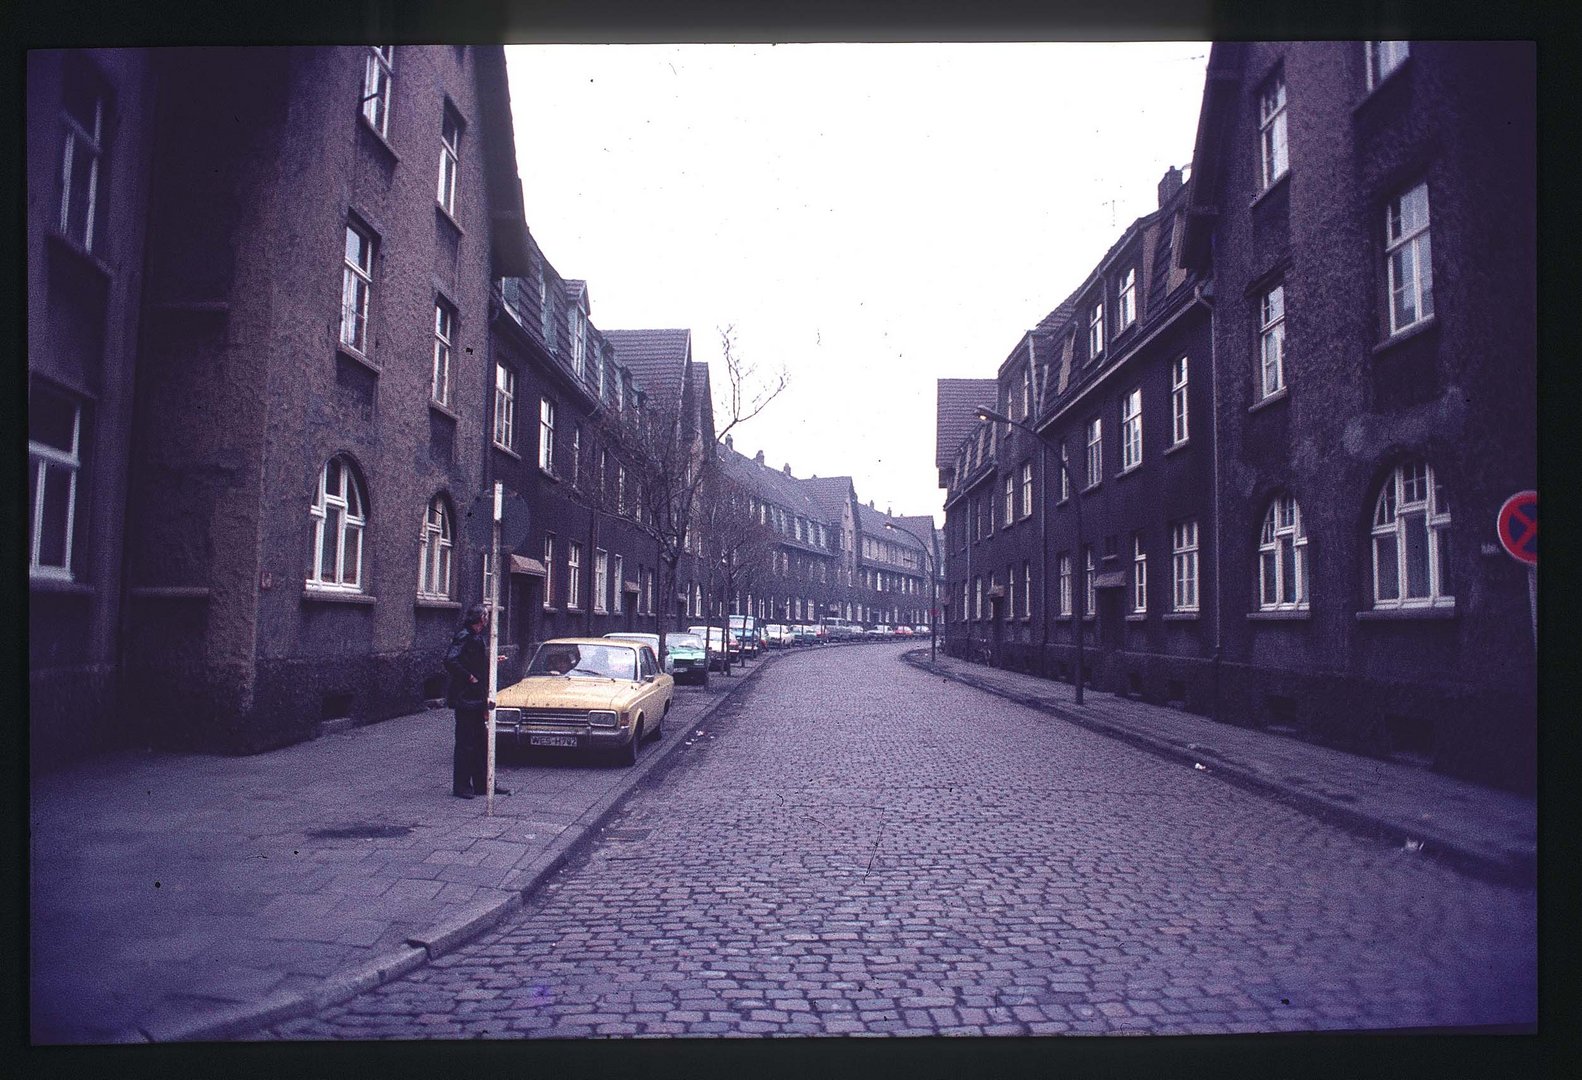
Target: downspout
{"x": 1043, "y": 507}
{"x": 1204, "y": 295}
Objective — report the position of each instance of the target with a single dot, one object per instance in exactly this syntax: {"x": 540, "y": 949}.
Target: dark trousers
{"x": 470, "y": 761}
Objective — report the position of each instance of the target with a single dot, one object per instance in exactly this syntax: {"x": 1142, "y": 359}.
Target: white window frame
{"x": 347, "y": 502}
{"x": 1090, "y": 597}
{"x": 1184, "y": 565}
{"x": 1063, "y": 564}
{"x": 1027, "y": 392}
{"x": 573, "y": 575}
{"x": 444, "y": 350}
{"x": 549, "y": 570}
{"x": 579, "y": 343}
{"x": 1096, "y": 330}
{"x": 1027, "y": 489}
{"x": 435, "y": 549}
{"x": 1010, "y": 498}
{"x": 1411, "y": 498}
{"x": 504, "y": 407}
{"x": 1283, "y": 573}
{"x": 1383, "y": 58}
{"x": 1065, "y": 473}
{"x": 80, "y": 160}
{"x": 378, "y": 74}
{"x": 449, "y": 160}
{"x": 1095, "y": 459}
{"x": 1179, "y": 426}
{"x": 357, "y": 286}
{"x": 1126, "y": 300}
{"x": 43, "y": 459}
{"x": 546, "y": 435}
{"x": 1027, "y": 589}
{"x": 1273, "y": 147}
{"x": 1139, "y": 575}
{"x": 618, "y": 597}
{"x": 1408, "y": 258}
{"x": 576, "y": 455}
{"x": 1271, "y": 341}
{"x": 601, "y": 581}
{"x": 1132, "y": 429}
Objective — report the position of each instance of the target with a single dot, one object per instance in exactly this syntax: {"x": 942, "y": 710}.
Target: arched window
{"x": 434, "y": 552}
{"x": 1411, "y": 540}
{"x": 1282, "y": 557}
{"x": 339, "y": 516}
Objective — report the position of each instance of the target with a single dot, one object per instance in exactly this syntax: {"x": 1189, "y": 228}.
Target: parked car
{"x": 841, "y": 630}
{"x": 924, "y": 630}
{"x": 807, "y": 635}
{"x": 874, "y": 632}
{"x": 745, "y": 628}
{"x": 778, "y": 635}
{"x": 718, "y": 645}
{"x": 902, "y": 631}
{"x": 598, "y": 695}
{"x": 685, "y": 658}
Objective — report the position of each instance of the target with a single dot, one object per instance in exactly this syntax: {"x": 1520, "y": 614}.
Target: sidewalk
{"x": 178, "y": 897}
{"x": 1491, "y": 833}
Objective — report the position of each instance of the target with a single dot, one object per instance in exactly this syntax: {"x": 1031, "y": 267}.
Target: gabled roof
{"x": 769, "y": 484}
{"x": 955, "y": 419}
{"x": 871, "y": 522}
{"x": 830, "y": 495}
{"x": 509, "y": 246}
{"x": 657, "y": 359}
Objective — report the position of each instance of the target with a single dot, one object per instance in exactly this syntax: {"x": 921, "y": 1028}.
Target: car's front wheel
{"x": 626, "y": 756}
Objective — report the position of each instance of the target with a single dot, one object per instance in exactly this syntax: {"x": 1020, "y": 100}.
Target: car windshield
{"x": 585, "y": 661}
{"x": 683, "y": 641}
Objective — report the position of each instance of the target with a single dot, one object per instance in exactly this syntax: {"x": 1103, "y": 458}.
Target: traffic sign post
{"x": 1517, "y": 525}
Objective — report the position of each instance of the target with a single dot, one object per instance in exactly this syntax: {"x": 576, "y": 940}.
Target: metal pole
{"x": 1076, "y": 508}
{"x": 1532, "y": 599}
{"x": 494, "y": 651}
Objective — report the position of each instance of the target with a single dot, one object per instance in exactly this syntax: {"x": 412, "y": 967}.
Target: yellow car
{"x": 592, "y": 694}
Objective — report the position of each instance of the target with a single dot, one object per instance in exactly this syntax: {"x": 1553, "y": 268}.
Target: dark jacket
{"x": 468, "y": 655}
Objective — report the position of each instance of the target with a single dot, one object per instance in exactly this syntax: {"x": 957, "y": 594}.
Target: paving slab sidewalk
{"x": 1482, "y": 830}
{"x": 182, "y": 897}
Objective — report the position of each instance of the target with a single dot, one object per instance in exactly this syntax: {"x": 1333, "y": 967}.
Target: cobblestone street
{"x": 854, "y": 846}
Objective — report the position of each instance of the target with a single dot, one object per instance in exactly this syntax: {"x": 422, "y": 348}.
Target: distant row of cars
{"x": 610, "y": 694}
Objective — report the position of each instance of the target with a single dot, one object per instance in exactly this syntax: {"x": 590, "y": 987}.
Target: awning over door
{"x": 521, "y": 564}
{"x": 1110, "y": 579}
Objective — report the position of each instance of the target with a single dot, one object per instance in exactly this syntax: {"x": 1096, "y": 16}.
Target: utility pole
{"x": 494, "y": 646}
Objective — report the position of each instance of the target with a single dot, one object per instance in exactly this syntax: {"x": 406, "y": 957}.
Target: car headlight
{"x": 602, "y": 718}
{"x": 508, "y": 716}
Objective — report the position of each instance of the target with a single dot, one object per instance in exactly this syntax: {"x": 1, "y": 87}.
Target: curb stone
{"x": 1508, "y": 867}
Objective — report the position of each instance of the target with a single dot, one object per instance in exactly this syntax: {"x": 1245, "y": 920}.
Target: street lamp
{"x": 933, "y": 590}
{"x": 987, "y": 415}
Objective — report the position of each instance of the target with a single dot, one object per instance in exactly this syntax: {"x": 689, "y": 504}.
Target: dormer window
{"x": 1126, "y": 306}
{"x": 1096, "y": 330}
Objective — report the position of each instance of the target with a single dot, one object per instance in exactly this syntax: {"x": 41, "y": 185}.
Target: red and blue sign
{"x": 1518, "y": 527}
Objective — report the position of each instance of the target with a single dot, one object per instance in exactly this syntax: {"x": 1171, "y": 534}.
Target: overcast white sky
{"x": 869, "y": 217}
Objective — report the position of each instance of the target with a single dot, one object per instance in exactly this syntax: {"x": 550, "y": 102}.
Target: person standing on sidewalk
{"x": 467, "y": 663}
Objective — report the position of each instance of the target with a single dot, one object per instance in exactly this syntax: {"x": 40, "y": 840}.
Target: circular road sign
{"x": 1518, "y": 526}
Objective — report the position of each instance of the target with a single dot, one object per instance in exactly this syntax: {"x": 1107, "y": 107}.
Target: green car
{"x": 685, "y": 657}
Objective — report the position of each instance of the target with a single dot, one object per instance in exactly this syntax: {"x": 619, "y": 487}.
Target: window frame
{"x": 1180, "y": 408}
{"x": 1096, "y": 330}
{"x": 42, "y": 457}
{"x": 350, "y": 525}
{"x": 1027, "y": 489}
{"x": 618, "y": 595}
{"x": 1418, "y": 242}
{"x": 504, "y": 407}
{"x": 357, "y": 286}
{"x": 1395, "y": 499}
{"x": 1126, "y": 300}
{"x": 1271, "y": 335}
{"x": 436, "y": 552}
{"x": 1139, "y": 575}
{"x": 546, "y": 435}
{"x": 1382, "y": 61}
{"x": 1090, "y": 598}
{"x": 378, "y": 76}
{"x": 1063, "y": 569}
{"x": 1274, "y": 152}
{"x": 1132, "y": 429}
{"x": 549, "y": 570}
{"x": 1184, "y": 566}
{"x": 449, "y": 159}
{"x": 1095, "y": 452}
{"x": 601, "y": 581}
{"x": 444, "y": 350}
{"x": 1010, "y": 499}
{"x": 79, "y": 141}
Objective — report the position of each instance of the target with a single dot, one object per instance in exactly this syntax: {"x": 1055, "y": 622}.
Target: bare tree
{"x": 668, "y": 448}
{"x": 732, "y": 540}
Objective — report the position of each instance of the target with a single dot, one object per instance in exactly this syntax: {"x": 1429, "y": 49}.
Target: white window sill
{"x": 169, "y": 592}
{"x": 444, "y": 410}
{"x": 505, "y": 450}
{"x": 1280, "y": 615}
{"x": 1392, "y": 77}
{"x": 351, "y": 352}
{"x": 1173, "y": 447}
{"x": 1137, "y": 616}
{"x": 1430, "y": 612}
{"x": 1406, "y": 333}
{"x": 1181, "y": 616}
{"x": 1128, "y": 470}
{"x": 90, "y": 259}
{"x": 1092, "y": 487}
{"x": 1263, "y": 403}
{"x": 438, "y": 602}
{"x": 59, "y": 585}
{"x": 336, "y": 596}
{"x": 382, "y": 140}
{"x": 449, "y": 218}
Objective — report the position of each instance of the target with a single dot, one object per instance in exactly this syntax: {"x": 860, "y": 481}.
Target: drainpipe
{"x": 1043, "y": 507}
{"x": 1205, "y": 298}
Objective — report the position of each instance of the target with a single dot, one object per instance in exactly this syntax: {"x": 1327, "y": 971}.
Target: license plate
{"x": 552, "y": 740}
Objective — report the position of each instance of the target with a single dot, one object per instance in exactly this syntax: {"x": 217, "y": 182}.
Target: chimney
{"x": 759, "y": 458}
{"x": 1169, "y": 185}
{"x": 730, "y": 443}
{"x": 787, "y": 469}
